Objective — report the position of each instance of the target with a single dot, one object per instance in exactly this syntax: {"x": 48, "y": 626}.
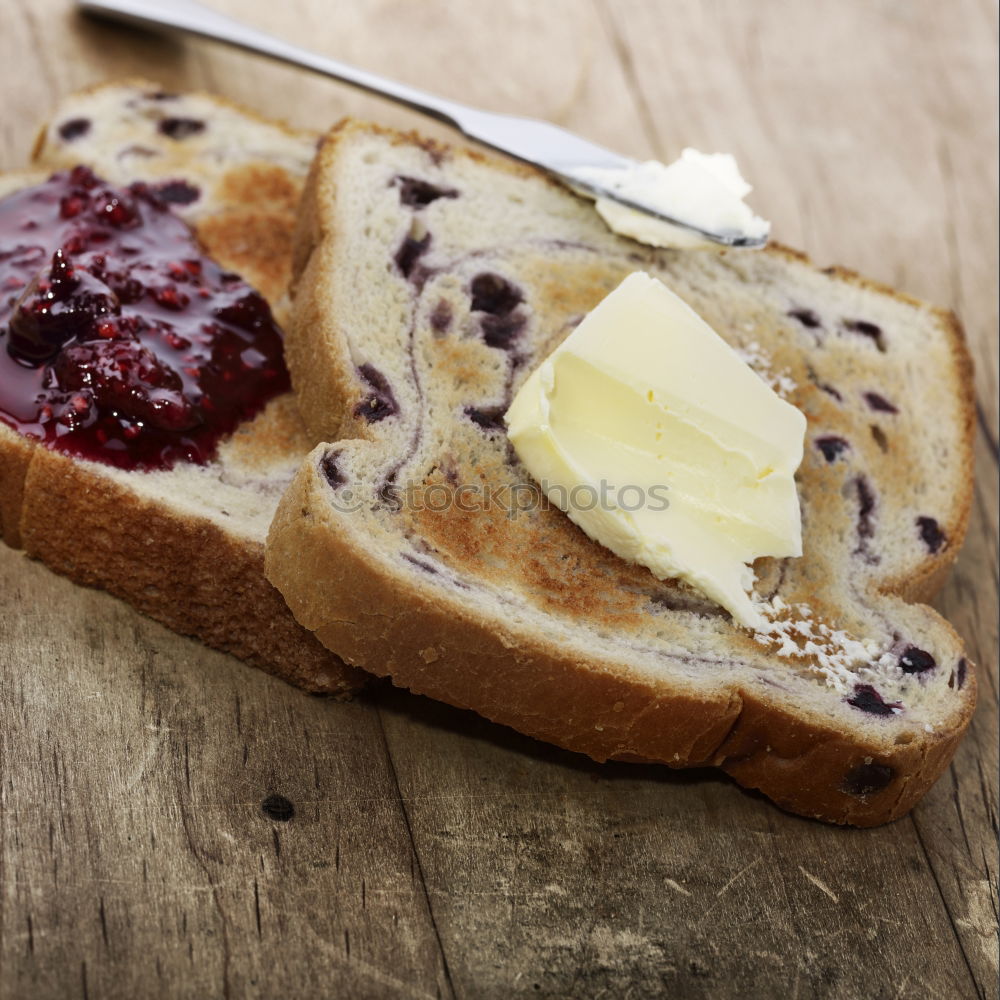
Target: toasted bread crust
{"x": 184, "y": 572}
{"x": 446, "y": 651}
{"x": 15, "y": 457}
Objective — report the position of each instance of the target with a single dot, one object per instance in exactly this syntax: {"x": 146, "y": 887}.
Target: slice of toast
{"x": 185, "y": 546}
{"x": 429, "y": 283}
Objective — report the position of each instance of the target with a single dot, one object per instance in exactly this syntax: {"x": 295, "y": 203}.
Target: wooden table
{"x": 430, "y": 853}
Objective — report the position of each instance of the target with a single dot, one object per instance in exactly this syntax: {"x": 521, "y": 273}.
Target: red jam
{"x": 120, "y": 341}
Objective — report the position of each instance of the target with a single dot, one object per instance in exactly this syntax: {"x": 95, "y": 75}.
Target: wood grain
{"x": 429, "y": 853}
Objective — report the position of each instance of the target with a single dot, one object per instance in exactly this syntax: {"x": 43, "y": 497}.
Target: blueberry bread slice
{"x": 183, "y": 544}
{"x": 429, "y": 283}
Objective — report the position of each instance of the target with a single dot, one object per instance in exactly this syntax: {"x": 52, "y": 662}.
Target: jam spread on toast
{"x": 120, "y": 340}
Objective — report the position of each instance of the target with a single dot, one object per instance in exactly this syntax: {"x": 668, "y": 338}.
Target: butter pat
{"x": 648, "y": 430}
{"x": 704, "y": 190}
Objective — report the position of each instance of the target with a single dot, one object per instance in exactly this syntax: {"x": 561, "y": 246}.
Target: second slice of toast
{"x": 184, "y": 545}
{"x": 429, "y": 283}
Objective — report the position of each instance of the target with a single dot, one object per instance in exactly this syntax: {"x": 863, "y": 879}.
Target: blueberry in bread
{"x": 429, "y": 283}
{"x": 146, "y": 430}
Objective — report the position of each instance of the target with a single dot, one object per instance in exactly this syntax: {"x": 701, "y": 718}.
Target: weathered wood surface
{"x": 431, "y": 854}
